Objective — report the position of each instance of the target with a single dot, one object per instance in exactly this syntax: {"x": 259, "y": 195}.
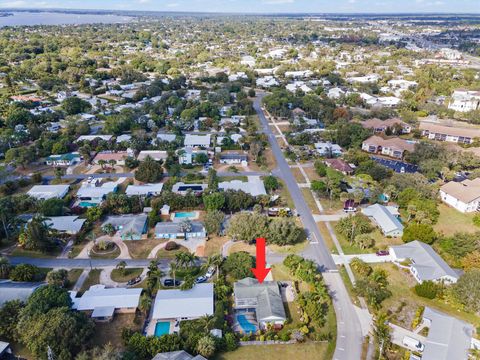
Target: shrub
{"x": 427, "y": 289}
{"x": 171, "y": 245}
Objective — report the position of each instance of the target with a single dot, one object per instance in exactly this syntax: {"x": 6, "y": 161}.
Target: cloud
{"x": 278, "y": 2}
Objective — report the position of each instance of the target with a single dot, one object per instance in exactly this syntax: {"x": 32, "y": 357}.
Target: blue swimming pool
{"x": 87, "y": 204}
{"x": 191, "y": 214}
{"x": 246, "y": 325}
{"x": 162, "y": 328}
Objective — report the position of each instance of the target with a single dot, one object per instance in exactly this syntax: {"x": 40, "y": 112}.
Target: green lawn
{"x": 129, "y": 273}
{"x": 307, "y": 351}
{"x": 140, "y": 249}
{"x": 108, "y": 255}
{"x": 452, "y": 221}
{"x": 404, "y": 302}
{"x": 164, "y": 254}
{"x": 73, "y": 276}
{"x": 34, "y": 254}
{"x": 381, "y": 243}
{"x": 92, "y": 279}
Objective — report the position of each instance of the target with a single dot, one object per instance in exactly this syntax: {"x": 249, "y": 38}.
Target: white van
{"x": 413, "y": 343}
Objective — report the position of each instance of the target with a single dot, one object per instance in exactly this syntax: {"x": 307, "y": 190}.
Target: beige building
{"x": 449, "y": 133}
{"x": 463, "y": 196}
{"x": 394, "y": 147}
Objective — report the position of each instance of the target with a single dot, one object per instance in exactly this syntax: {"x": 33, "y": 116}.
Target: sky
{"x": 260, "y": 6}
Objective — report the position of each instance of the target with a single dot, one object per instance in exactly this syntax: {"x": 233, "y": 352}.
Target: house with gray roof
{"x": 177, "y": 355}
{"x": 425, "y": 264}
{"x": 172, "y": 304}
{"x": 264, "y": 299}
{"x": 45, "y": 192}
{"x": 448, "y": 338}
{"x": 145, "y": 190}
{"x": 193, "y": 140}
{"x": 386, "y": 218}
{"x": 105, "y": 302}
{"x": 254, "y": 186}
{"x": 12, "y": 290}
{"x": 182, "y": 188}
{"x": 174, "y": 230}
{"x": 233, "y": 158}
{"x": 65, "y": 224}
{"x": 129, "y": 227}
{"x": 166, "y": 137}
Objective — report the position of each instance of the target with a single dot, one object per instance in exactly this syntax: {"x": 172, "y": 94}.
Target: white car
{"x": 210, "y": 272}
{"x": 413, "y": 343}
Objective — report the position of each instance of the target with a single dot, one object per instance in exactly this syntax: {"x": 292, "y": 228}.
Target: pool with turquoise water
{"x": 190, "y": 214}
{"x": 162, "y": 328}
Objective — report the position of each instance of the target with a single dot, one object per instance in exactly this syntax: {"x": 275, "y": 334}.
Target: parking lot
{"x": 397, "y": 166}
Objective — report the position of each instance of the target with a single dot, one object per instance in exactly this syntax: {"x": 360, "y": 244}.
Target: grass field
{"x": 164, "y": 254}
{"x": 34, "y": 254}
{"x": 130, "y": 273}
{"x": 307, "y": 351}
{"x": 308, "y": 196}
{"x": 297, "y": 174}
{"x": 452, "y": 221}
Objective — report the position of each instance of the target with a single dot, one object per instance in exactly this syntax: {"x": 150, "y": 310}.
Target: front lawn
{"x": 18, "y": 251}
{"x": 140, "y": 249}
{"x": 73, "y": 276}
{"x": 214, "y": 245}
{"x": 164, "y": 254}
{"x": 129, "y": 273}
{"x": 92, "y": 279}
{"x": 381, "y": 243}
{"x": 306, "y": 351}
{"x": 308, "y": 196}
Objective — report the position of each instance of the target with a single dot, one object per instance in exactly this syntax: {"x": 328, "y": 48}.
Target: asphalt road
{"x": 80, "y": 263}
{"x": 349, "y": 333}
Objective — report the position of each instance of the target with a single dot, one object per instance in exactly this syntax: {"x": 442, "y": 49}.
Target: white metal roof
{"x": 197, "y": 140}
{"x": 193, "y": 303}
{"x": 383, "y": 217}
{"x": 253, "y": 187}
{"x": 48, "y": 191}
{"x": 145, "y": 189}
{"x": 71, "y": 224}
{"x": 98, "y": 296}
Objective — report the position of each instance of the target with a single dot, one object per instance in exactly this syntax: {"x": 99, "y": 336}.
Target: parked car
{"x": 171, "y": 283}
{"x": 210, "y": 272}
{"x": 201, "y": 279}
{"x": 382, "y": 253}
{"x": 134, "y": 281}
{"x": 413, "y": 343}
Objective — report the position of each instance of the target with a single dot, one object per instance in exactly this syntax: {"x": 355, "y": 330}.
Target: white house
{"x": 64, "y": 159}
{"x": 328, "y": 149}
{"x": 425, "y": 263}
{"x": 92, "y": 192}
{"x": 267, "y": 81}
{"x": 335, "y": 93}
{"x": 65, "y": 224}
{"x": 386, "y": 217}
{"x": 156, "y": 155}
{"x": 233, "y": 158}
{"x": 144, "y": 190}
{"x": 105, "y": 302}
{"x": 197, "y": 140}
{"x": 254, "y": 186}
{"x": 465, "y": 100}
{"x": 463, "y": 196}
{"x": 45, "y": 192}
{"x": 178, "y": 304}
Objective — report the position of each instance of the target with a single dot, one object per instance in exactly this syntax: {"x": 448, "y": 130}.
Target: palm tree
{"x": 173, "y": 271}
{"x": 145, "y": 303}
{"x": 121, "y": 266}
{"x": 180, "y": 259}
{"x": 112, "y": 163}
{"x": 190, "y": 259}
{"x": 206, "y": 322}
{"x": 4, "y": 267}
{"x": 188, "y": 283}
{"x": 102, "y": 163}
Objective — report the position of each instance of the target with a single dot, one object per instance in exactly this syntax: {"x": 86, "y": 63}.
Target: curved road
{"x": 349, "y": 333}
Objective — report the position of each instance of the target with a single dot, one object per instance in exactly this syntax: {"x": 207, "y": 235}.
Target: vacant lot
{"x": 139, "y": 249}
{"x": 111, "y": 332}
{"x": 128, "y": 274}
{"x": 452, "y": 221}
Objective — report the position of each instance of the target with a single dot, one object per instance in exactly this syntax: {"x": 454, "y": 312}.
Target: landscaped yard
{"x": 164, "y": 254}
{"x": 92, "y": 279}
{"x": 404, "y": 302}
{"x": 381, "y": 243}
{"x": 307, "y": 351}
{"x": 140, "y": 249}
{"x": 452, "y": 221}
{"x": 111, "y": 332}
{"x": 107, "y": 254}
{"x": 128, "y": 274}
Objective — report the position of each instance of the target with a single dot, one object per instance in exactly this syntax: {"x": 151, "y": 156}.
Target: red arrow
{"x": 260, "y": 271}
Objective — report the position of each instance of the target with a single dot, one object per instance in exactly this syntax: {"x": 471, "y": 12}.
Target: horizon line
{"x": 243, "y": 13}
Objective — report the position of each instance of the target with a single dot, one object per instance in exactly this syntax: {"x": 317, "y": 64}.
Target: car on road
{"x": 382, "y": 253}
{"x": 201, "y": 279}
{"x": 171, "y": 282}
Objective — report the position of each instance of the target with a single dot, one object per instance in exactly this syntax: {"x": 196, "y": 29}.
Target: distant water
{"x": 58, "y": 18}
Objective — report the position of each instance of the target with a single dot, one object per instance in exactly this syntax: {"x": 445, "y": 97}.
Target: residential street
{"x": 349, "y": 332}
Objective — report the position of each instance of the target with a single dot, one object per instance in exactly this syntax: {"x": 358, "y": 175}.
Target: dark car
{"x": 201, "y": 279}
{"x": 382, "y": 253}
{"x": 170, "y": 282}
